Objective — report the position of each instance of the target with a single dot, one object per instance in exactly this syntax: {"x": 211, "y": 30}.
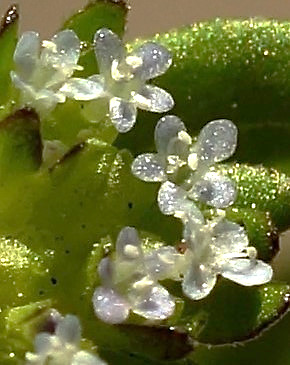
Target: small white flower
{"x": 123, "y": 76}
{"x": 62, "y": 347}
{"x": 222, "y": 248}
{"x": 130, "y": 281}
{"x": 184, "y": 167}
{"x": 43, "y": 71}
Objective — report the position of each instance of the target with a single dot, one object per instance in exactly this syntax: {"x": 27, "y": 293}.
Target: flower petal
{"x": 105, "y": 270}
{"x": 82, "y": 89}
{"x": 247, "y": 272}
{"x": 153, "y": 303}
{"x": 198, "y": 282}
{"x": 128, "y": 245}
{"x": 108, "y": 47}
{"x": 85, "y": 358}
{"x": 123, "y": 114}
{"x": 166, "y": 130}
{"x": 109, "y": 306}
{"x": 193, "y": 221}
{"x": 163, "y": 263}
{"x": 62, "y": 52}
{"x": 156, "y": 60}
{"x": 46, "y": 100}
{"x": 26, "y": 54}
{"x": 148, "y": 167}
{"x": 231, "y": 238}
{"x": 44, "y": 343}
{"x": 217, "y": 141}
{"x": 154, "y": 99}
{"x": 171, "y": 198}
{"x": 191, "y": 213}
{"x": 215, "y": 190}
{"x": 69, "y": 330}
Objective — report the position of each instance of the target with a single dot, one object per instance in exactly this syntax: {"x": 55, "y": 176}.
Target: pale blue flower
{"x": 61, "y": 347}
{"x": 43, "y": 71}
{"x": 130, "y": 281}
{"x": 184, "y": 167}
{"x": 123, "y": 77}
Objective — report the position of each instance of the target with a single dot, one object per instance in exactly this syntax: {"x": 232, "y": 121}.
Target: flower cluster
{"x": 185, "y": 168}
{"x": 186, "y": 171}
{"x": 61, "y": 347}
{"x": 44, "y": 75}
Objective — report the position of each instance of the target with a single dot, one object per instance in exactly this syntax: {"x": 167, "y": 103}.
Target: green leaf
{"x": 234, "y": 69}
{"x": 262, "y": 189}
{"x": 97, "y": 14}
{"x": 8, "y": 40}
{"x": 271, "y": 348}
{"x": 60, "y": 213}
{"x": 21, "y": 272}
{"x": 91, "y": 193}
{"x": 234, "y": 313}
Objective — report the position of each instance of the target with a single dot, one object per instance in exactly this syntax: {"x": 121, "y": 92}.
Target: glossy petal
{"x": 171, "y": 198}
{"x": 156, "y": 60}
{"x": 198, "y": 282}
{"x": 63, "y": 51}
{"x": 148, "y": 167}
{"x": 128, "y": 245}
{"x": 123, "y": 114}
{"x": 46, "y": 100}
{"x": 154, "y": 99}
{"x": 191, "y": 213}
{"x": 163, "y": 263}
{"x": 231, "y": 238}
{"x": 99, "y": 79}
{"x": 217, "y": 141}
{"x": 247, "y": 272}
{"x": 85, "y": 358}
{"x": 82, "y": 89}
{"x": 193, "y": 222}
{"x": 69, "y": 330}
{"x": 109, "y": 306}
{"x": 26, "y": 54}
{"x": 25, "y": 87}
{"x": 166, "y": 129}
{"x": 153, "y": 303}
{"x": 45, "y": 342}
{"x": 105, "y": 270}
{"x": 215, "y": 190}
{"x": 108, "y": 47}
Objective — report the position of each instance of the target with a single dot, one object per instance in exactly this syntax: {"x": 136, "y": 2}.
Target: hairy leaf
{"x": 264, "y": 190}
{"x": 242, "y": 311}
